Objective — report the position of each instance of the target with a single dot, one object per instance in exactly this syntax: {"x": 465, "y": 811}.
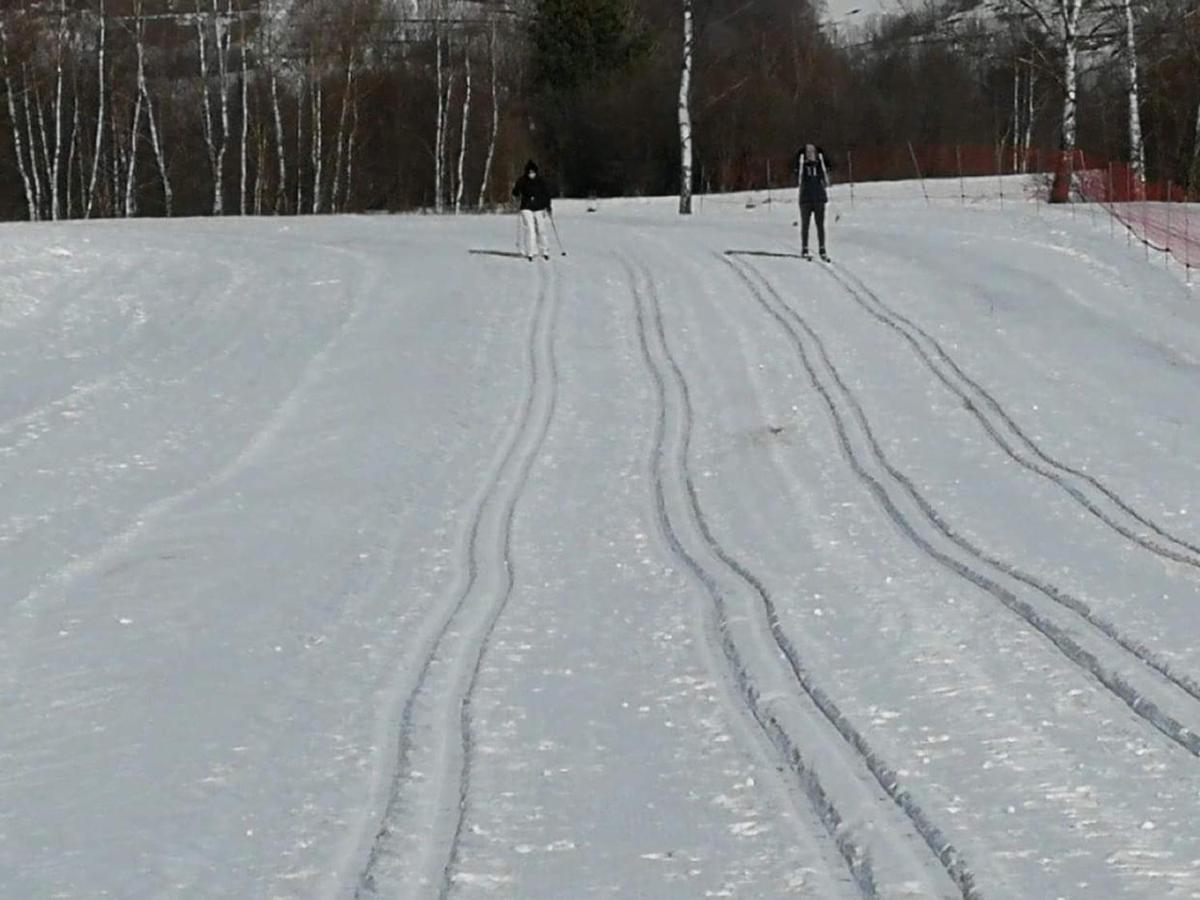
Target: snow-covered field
{"x": 337, "y": 560}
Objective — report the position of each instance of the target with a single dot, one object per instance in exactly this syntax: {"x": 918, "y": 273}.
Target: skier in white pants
{"x": 533, "y": 192}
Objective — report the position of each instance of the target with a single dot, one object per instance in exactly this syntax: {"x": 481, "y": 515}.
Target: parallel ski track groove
{"x": 950, "y": 858}
{"x": 543, "y": 322}
{"x": 853, "y": 855}
{"x": 1143, "y": 707}
{"x": 1053, "y": 469}
{"x": 1147, "y": 656}
{"x": 526, "y": 465}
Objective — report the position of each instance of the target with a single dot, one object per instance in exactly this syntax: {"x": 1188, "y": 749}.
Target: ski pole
{"x": 557, "y": 236}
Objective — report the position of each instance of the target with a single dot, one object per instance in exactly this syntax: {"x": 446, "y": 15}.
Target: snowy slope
{"x": 336, "y": 560}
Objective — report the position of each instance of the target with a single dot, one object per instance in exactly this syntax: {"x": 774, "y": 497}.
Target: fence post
{"x": 1037, "y": 168}
{"x": 962, "y": 185}
{"x": 850, "y": 173}
{"x": 1167, "y": 242}
{"x": 1187, "y": 234}
{"x": 1111, "y": 206}
{"x": 917, "y": 166}
{"x": 1129, "y": 200}
{"x": 1000, "y": 174}
{"x": 1145, "y": 215}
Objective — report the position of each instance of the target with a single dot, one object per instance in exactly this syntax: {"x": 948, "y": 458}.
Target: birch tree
{"x": 685, "y": 113}
{"x": 144, "y": 99}
{"x": 101, "y": 109}
{"x": 466, "y": 115}
{"x": 1137, "y": 153}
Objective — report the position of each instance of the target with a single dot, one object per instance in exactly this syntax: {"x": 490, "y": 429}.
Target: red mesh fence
{"x": 1162, "y": 216}
{"x": 1158, "y": 214}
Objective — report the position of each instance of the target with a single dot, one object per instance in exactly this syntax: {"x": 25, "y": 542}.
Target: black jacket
{"x": 534, "y": 193}
{"x": 813, "y": 177}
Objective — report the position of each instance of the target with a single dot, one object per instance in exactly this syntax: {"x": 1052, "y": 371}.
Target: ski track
{"x": 977, "y": 400}
{"x": 771, "y": 710}
{"x": 23, "y": 615}
{"x": 1051, "y": 470}
{"x": 461, "y": 644}
{"x": 1069, "y": 645}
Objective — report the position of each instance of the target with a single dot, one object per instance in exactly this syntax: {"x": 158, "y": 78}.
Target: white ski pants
{"x": 535, "y": 232}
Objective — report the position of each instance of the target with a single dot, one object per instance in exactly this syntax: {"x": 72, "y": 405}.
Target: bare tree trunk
{"x": 131, "y": 169}
{"x": 1030, "y": 86}
{"x": 440, "y": 138}
{"x": 18, "y": 140}
{"x": 34, "y": 157}
{"x": 349, "y": 189}
{"x": 116, "y": 159}
{"x": 56, "y": 210}
{"x": 100, "y": 111}
{"x": 224, "y": 34}
{"x": 466, "y": 114}
{"x": 260, "y": 167}
{"x": 1016, "y": 154}
{"x": 156, "y": 141}
{"x": 47, "y": 165}
{"x": 1137, "y": 152}
{"x": 300, "y": 150}
{"x": 206, "y": 119}
{"x": 495, "y": 126}
{"x": 318, "y": 145}
{"x": 73, "y": 147}
{"x": 343, "y": 123}
{"x": 685, "y": 114}
{"x": 1070, "y": 10}
{"x": 243, "y": 194}
{"x": 281, "y": 186}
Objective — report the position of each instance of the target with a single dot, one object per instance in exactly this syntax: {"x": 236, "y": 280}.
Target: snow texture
{"x": 339, "y": 561}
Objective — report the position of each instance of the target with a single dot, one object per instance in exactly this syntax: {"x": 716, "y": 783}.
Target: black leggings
{"x": 807, "y": 212}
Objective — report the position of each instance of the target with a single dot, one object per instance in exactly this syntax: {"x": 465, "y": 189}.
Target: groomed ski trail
{"x": 791, "y": 710}
{"x": 453, "y": 649}
{"x": 1159, "y": 701}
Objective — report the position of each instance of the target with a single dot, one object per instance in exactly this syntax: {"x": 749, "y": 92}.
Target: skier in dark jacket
{"x": 812, "y": 173}
{"x": 534, "y": 193}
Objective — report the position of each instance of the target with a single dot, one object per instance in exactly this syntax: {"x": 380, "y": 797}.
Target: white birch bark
{"x": 1137, "y": 152}
{"x": 349, "y": 188}
{"x": 73, "y": 145}
{"x": 300, "y": 150}
{"x": 440, "y": 137}
{"x": 466, "y": 114}
{"x": 318, "y": 145}
{"x": 98, "y": 150}
{"x": 685, "y": 113}
{"x": 243, "y": 194}
{"x": 281, "y": 152}
{"x": 342, "y": 137}
{"x": 206, "y": 118}
{"x": 47, "y": 165}
{"x": 224, "y": 33}
{"x": 131, "y": 167}
{"x": 1070, "y": 11}
{"x": 56, "y": 207}
{"x": 35, "y": 158}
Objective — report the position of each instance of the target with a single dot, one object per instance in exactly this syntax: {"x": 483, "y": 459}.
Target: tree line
{"x": 115, "y": 108}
